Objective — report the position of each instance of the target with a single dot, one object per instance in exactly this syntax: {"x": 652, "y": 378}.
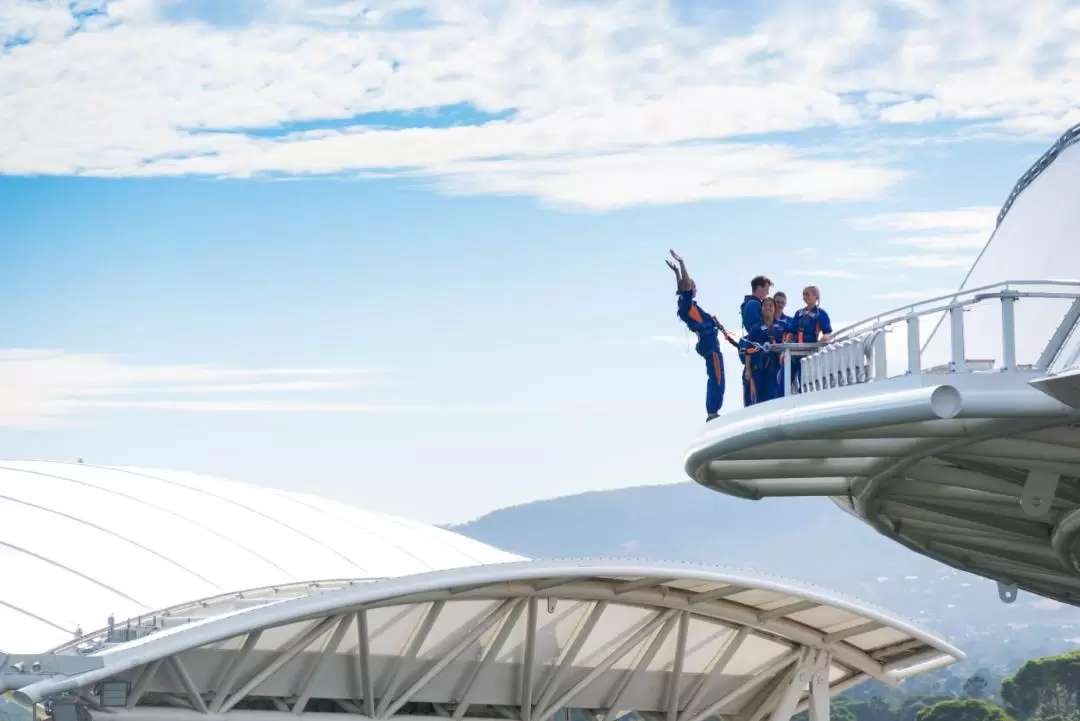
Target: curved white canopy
{"x": 522, "y": 640}
{"x": 127, "y": 541}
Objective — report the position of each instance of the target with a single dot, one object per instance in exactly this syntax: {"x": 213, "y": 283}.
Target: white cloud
{"x": 913, "y": 295}
{"x": 938, "y": 242}
{"x": 44, "y": 388}
{"x": 834, "y": 273}
{"x": 925, "y": 261}
{"x": 41, "y": 387}
{"x": 609, "y": 104}
{"x": 975, "y": 219}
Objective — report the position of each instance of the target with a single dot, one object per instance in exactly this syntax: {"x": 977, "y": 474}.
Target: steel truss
{"x": 522, "y": 641}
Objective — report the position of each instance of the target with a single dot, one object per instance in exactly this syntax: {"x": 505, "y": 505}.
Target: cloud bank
{"x": 582, "y": 104}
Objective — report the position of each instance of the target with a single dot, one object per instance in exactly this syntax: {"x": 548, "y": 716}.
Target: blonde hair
{"x": 813, "y": 289}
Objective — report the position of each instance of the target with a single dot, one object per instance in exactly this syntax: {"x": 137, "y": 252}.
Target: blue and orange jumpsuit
{"x": 765, "y": 367}
{"x": 708, "y": 331}
{"x": 750, "y": 311}
{"x": 806, "y": 327}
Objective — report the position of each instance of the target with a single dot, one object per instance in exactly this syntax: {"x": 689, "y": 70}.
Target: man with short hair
{"x": 750, "y": 310}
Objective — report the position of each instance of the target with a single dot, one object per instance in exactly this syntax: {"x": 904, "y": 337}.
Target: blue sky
{"x": 409, "y": 254}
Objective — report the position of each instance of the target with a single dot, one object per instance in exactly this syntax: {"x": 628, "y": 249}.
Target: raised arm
{"x": 685, "y": 283}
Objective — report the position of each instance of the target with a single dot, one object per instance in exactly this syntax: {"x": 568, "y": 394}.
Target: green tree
{"x": 1044, "y": 688}
{"x": 911, "y": 707}
{"x": 962, "y": 710}
{"x": 975, "y": 687}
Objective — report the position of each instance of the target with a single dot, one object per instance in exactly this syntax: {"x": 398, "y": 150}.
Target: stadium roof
{"x": 519, "y": 641}
{"x": 80, "y": 542}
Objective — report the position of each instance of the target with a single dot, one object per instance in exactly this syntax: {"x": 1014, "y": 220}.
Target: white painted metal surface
{"x": 519, "y": 641}
{"x": 81, "y": 542}
{"x": 966, "y": 447}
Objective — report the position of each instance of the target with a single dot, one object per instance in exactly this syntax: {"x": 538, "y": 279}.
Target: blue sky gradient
{"x": 504, "y": 313}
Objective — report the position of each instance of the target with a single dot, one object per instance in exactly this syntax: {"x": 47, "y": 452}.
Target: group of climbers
{"x": 764, "y": 325}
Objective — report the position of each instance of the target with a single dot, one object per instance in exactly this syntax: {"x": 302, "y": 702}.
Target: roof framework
{"x": 517, "y": 641}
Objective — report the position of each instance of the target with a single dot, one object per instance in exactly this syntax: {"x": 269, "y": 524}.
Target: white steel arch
{"x": 519, "y": 641}
{"x": 127, "y": 541}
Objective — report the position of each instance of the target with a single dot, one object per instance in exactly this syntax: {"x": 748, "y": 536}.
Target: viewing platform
{"x": 965, "y": 447}
{"x": 951, "y": 425}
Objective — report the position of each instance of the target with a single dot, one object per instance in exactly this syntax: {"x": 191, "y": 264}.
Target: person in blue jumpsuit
{"x": 708, "y": 331}
{"x": 750, "y": 310}
{"x": 809, "y": 324}
{"x": 764, "y": 367}
{"x": 780, "y": 298}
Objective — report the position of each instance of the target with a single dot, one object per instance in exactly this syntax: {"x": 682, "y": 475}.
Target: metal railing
{"x": 858, "y": 353}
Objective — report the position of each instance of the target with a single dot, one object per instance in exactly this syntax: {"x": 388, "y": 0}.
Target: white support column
{"x": 819, "y": 689}
{"x": 881, "y": 360}
{"x": 914, "y": 346}
{"x": 675, "y": 680}
{"x": 787, "y": 373}
{"x": 957, "y": 360}
{"x": 1008, "y": 332}
{"x": 789, "y": 697}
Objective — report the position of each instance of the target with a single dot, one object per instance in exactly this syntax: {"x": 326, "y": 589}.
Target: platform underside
{"x": 980, "y": 473}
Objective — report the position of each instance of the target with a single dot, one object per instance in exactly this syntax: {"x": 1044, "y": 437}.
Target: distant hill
{"x": 811, "y": 540}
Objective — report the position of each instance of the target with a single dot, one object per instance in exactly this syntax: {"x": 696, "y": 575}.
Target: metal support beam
{"x": 489, "y": 657}
{"x": 489, "y": 619}
{"x": 408, "y": 656}
{"x": 529, "y": 662}
{"x": 881, "y": 360}
{"x": 1008, "y": 331}
{"x": 756, "y": 678}
{"x": 707, "y": 680}
{"x": 232, "y": 673}
{"x": 630, "y": 643}
{"x": 328, "y": 651}
{"x": 363, "y": 658}
{"x": 580, "y": 638}
{"x": 819, "y": 690}
{"x": 675, "y": 680}
{"x": 287, "y": 654}
{"x": 957, "y": 359}
{"x": 187, "y": 684}
{"x": 914, "y": 347}
{"x": 633, "y": 673}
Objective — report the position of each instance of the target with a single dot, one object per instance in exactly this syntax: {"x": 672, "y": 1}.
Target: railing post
{"x": 914, "y": 354}
{"x": 1008, "y": 331}
{"x": 881, "y": 362}
{"x": 786, "y": 379}
{"x": 958, "y": 362}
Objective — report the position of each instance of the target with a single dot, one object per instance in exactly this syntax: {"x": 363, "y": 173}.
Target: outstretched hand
{"x": 674, "y": 268}
{"x": 676, "y": 256}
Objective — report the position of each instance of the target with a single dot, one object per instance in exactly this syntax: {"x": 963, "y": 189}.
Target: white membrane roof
{"x": 1035, "y": 239}
{"x": 80, "y": 542}
{"x": 540, "y": 635}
